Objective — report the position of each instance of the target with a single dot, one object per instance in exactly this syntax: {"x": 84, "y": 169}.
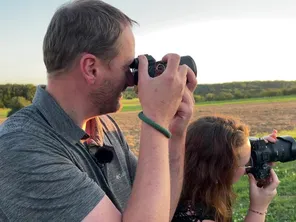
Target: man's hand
{"x": 178, "y": 128}
{"x": 182, "y": 117}
{"x": 161, "y": 96}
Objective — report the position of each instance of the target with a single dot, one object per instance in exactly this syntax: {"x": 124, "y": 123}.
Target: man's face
{"x": 116, "y": 76}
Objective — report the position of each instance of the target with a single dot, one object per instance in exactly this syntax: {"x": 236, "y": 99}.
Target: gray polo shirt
{"x": 47, "y": 174}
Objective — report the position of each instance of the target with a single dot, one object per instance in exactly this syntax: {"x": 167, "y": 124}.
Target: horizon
{"x": 231, "y": 42}
{"x": 11, "y": 83}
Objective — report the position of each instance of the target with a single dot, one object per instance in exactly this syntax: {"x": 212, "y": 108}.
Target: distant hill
{"x": 237, "y": 90}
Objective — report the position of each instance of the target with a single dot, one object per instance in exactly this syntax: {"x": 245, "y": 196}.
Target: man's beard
{"x": 106, "y": 99}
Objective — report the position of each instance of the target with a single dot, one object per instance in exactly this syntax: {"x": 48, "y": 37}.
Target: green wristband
{"x": 150, "y": 122}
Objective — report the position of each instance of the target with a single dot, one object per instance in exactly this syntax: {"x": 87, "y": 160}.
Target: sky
{"x": 230, "y": 40}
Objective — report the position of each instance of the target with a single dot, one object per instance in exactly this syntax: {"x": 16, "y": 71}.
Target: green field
{"x": 134, "y": 104}
{"x": 282, "y": 207}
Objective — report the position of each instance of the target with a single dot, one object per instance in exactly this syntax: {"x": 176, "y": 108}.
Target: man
{"x": 47, "y": 167}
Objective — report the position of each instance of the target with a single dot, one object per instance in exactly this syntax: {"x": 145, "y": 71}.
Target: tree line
{"x": 17, "y": 96}
{"x": 242, "y": 90}
{"x": 237, "y": 90}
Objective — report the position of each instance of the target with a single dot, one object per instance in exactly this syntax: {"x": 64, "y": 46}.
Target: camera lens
{"x": 160, "y": 67}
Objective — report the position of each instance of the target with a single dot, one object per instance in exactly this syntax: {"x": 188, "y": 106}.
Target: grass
{"x": 130, "y": 105}
{"x": 283, "y": 205}
{"x": 131, "y": 108}
{"x": 134, "y": 104}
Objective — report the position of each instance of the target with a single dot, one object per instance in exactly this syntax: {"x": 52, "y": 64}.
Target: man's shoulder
{"x": 22, "y": 125}
{"x": 19, "y": 120}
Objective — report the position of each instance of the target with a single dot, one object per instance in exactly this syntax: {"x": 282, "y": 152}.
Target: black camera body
{"x": 262, "y": 153}
{"x": 155, "y": 68}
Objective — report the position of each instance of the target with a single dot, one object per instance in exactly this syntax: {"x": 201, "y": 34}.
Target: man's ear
{"x": 89, "y": 68}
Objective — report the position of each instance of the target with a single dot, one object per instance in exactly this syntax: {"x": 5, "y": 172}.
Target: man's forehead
{"x": 127, "y": 43}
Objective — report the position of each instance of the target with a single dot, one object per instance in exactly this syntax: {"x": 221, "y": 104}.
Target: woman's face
{"x": 244, "y": 158}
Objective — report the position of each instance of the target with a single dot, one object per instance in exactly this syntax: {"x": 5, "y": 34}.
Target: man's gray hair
{"x": 82, "y": 26}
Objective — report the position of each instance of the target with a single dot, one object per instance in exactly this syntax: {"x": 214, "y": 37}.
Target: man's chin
{"x": 119, "y": 109}
{"x": 118, "y": 106}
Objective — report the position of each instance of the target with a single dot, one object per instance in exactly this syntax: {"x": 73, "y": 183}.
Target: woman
{"x": 217, "y": 152}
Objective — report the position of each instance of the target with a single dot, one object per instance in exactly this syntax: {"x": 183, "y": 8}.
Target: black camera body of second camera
{"x": 262, "y": 154}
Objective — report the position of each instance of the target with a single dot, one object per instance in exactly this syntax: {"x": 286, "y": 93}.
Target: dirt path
{"x": 262, "y": 117}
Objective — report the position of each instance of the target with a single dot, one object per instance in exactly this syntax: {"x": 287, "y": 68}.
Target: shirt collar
{"x": 56, "y": 116}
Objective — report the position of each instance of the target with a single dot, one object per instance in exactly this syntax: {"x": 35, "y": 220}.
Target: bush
{"x": 272, "y": 92}
{"x": 1, "y": 104}
{"x": 225, "y": 96}
{"x": 198, "y": 98}
{"x": 210, "y": 96}
{"x": 17, "y": 103}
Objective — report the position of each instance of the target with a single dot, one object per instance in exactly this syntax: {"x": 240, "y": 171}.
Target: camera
{"x": 262, "y": 153}
{"x": 155, "y": 68}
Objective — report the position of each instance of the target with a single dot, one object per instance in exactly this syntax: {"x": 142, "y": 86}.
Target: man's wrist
{"x": 177, "y": 149}
{"x": 160, "y": 120}
{"x": 155, "y": 125}
{"x": 180, "y": 132}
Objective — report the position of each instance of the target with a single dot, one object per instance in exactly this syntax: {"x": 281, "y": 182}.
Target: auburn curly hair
{"x": 212, "y": 147}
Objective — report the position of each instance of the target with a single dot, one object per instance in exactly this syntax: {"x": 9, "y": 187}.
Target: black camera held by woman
{"x": 262, "y": 154}
{"x": 155, "y": 68}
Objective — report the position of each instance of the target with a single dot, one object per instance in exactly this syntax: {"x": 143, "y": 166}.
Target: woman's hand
{"x": 271, "y": 137}
{"x": 260, "y": 197}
